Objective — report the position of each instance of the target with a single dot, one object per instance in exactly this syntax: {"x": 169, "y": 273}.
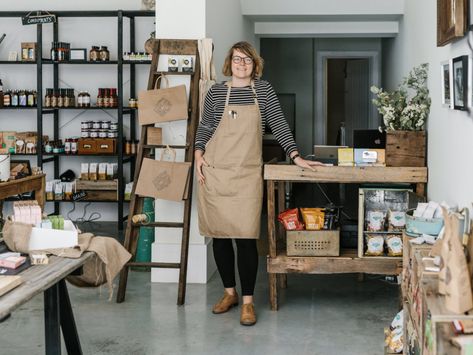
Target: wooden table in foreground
{"x": 279, "y": 264}
{"x": 58, "y": 315}
{"x": 34, "y": 183}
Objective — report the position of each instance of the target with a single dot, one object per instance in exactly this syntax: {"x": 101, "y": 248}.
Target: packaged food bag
{"x": 313, "y": 218}
{"x": 394, "y": 244}
{"x": 374, "y": 245}
{"x": 290, "y": 220}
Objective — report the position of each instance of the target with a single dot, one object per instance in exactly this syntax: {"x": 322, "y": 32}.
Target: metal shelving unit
{"x": 122, "y": 111}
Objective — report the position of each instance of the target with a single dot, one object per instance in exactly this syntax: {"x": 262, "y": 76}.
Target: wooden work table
{"x": 279, "y": 264}
{"x": 34, "y": 183}
{"x": 50, "y": 280}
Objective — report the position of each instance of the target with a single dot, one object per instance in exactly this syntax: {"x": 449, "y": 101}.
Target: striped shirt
{"x": 271, "y": 113}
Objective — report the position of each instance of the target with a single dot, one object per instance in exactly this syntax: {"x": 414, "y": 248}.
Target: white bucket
{"x": 4, "y": 167}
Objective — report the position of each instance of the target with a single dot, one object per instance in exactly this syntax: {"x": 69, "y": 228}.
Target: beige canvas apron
{"x": 230, "y": 200}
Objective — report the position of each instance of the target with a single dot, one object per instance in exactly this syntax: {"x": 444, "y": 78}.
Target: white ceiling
{"x": 324, "y": 18}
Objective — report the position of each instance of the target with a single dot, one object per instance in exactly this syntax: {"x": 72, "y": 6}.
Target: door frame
{"x": 320, "y": 122}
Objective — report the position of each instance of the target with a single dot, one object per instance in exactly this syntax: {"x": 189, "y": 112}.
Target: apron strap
{"x": 229, "y": 84}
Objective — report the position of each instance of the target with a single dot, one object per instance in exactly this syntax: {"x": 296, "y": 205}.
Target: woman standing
{"x": 228, "y": 157}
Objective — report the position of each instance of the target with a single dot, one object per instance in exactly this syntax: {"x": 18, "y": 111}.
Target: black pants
{"x": 247, "y": 259}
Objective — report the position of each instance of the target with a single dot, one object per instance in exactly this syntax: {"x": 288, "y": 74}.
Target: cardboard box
{"x": 345, "y": 157}
{"x": 42, "y": 239}
{"x": 370, "y": 157}
{"x": 155, "y": 136}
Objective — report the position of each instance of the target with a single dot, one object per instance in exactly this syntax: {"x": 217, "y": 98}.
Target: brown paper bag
{"x": 162, "y": 105}
{"x": 163, "y": 179}
{"x": 454, "y": 277}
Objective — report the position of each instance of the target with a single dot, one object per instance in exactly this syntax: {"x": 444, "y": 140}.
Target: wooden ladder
{"x": 166, "y": 47}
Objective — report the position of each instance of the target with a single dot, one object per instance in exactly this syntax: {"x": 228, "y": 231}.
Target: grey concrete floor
{"x": 324, "y": 314}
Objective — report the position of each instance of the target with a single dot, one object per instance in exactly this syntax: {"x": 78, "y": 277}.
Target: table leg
{"x": 68, "y": 324}
{"x": 273, "y": 291}
{"x": 51, "y": 321}
{"x": 282, "y": 281}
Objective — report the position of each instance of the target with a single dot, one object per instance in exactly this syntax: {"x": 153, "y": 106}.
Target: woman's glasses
{"x": 237, "y": 60}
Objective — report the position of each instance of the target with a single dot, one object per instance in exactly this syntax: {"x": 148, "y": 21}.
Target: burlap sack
{"x": 17, "y": 236}
{"x": 110, "y": 256}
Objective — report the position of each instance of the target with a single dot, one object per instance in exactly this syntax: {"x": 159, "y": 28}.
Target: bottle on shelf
{"x": 54, "y": 98}
{"x": 54, "y": 54}
{"x": 7, "y": 99}
{"x": 106, "y": 98}
{"x": 30, "y": 99}
{"x": 22, "y": 98}
{"x": 94, "y": 54}
{"x": 114, "y": 98}
{"x": 48, "y": 98}
{"x": 100, "y": 98}
{"x": 104, "y": 54}
{"x": 72, "y": 98}
{"x": 1, "y": 94}
{"x": 14, "y": 99}
{"x": 60, "y": 98}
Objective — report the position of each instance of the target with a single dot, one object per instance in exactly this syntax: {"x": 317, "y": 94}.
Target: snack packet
{"x": 394, "y": 244}
{"x": 290, "y": 220}
{"x": 374, "y": 244}
{"x": 313, "y": 218}
{"x": 376, "y": 221}
{"x": 397, "y": 221}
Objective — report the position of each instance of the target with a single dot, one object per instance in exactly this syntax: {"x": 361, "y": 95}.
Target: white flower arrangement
{"x": 401, "y": 111}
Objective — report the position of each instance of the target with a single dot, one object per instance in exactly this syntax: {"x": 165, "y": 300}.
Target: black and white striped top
{"x": 271, "y": 113}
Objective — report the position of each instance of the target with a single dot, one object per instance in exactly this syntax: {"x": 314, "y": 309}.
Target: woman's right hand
{"x": 199, "y": 162}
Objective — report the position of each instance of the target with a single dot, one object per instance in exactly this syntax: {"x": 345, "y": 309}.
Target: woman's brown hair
{"x": 251, "y": 52}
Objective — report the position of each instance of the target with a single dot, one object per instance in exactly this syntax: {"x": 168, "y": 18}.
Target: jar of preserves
{"x": 94, "y": 133}
{"x": 84, "y": 125}
{"x": 67, "y": 146}
{"x": 85, "y": 133}
{"x": 112, "y": 133}
{"x": 94, "y": 54}
{"x": 74, "y": 142}
{"x": 105, "y": 124}
{"x": 96, "y": 125}
{"x": 86, "y": 99}
{"x": 133, "y": 103}
{"x": 113, "y": 125}
{"x": 104, "y": 54}
{"x": 103, "y": 133}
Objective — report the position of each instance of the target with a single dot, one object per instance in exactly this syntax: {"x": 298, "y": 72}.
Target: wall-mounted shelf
{"x": 121, "y": 110}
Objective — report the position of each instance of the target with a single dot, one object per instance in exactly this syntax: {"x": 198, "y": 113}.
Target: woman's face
{"x": 242, "y": 65}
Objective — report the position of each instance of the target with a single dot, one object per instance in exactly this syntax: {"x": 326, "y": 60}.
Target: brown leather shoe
{"x": 226, "y": 302}
{"x": 248, "y": 316}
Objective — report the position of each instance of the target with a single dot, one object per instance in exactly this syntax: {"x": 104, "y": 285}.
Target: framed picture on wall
{"x": 446, "y": 83}
{"x": 452, "y": 18}
{"x": 460, "y": 82}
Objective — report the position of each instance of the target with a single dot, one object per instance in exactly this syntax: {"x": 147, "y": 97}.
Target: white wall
{"x": 81, "y": 33}
{"x": 450, "y": 132}
{"x": 226, "y": 26}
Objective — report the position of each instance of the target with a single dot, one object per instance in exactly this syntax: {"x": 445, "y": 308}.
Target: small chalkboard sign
{"x": 38, "y": 17}
{"x": 79, "y": 195}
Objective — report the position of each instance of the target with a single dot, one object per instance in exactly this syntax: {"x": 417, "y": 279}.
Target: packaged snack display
{"x": 84, "y": 171}
{"x": 313, "y": 218}
{"x": 375, "y": 245}
{"x": 396, "y": 220}
{"x": 290, "y": 219}
{"x": 376, "y": 221}
{"x": 331, "y": 217}
{"x": 394, "y": 244}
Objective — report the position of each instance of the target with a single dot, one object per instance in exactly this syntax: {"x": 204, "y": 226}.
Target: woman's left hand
{"x": 307, "y": 164}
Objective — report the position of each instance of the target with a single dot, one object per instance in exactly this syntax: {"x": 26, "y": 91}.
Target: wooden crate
{"x": 313, "y": 243}
{"x": 103, "y": 190}
{"x": 406, "y": 148}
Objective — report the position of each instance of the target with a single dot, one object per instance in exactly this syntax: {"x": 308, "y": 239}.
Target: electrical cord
{"x": 94, "y": 216}
{"x": 309, "y": 156}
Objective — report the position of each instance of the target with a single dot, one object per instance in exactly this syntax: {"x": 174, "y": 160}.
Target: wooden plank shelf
{"x": 345, "y": 174}
{"x": 347, "y": 262}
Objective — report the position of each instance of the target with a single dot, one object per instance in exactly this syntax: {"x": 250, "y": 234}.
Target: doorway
{"x": 343, "y": 81}
{"x": 348, "y": 99}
